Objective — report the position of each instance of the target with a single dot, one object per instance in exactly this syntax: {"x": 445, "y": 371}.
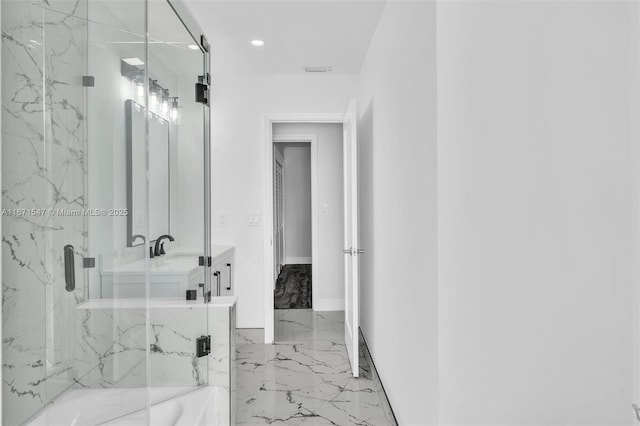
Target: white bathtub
{"x": 197, "y": 408}
{"x": 205, "y": 406}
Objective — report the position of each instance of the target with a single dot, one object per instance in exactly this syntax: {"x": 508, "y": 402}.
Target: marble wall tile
{"x": 43, "y": 167}
{"x": 110, "y": 348}
{"x": 78, "y": 8}
{"x": 22, "y": 76}
{"x": 173, "y": 360}
{"x": 23, "y": 362}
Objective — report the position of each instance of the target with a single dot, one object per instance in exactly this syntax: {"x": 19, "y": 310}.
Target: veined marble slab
{"x": 307, "y": 381}
{"x": 42, "y": 112}
{"x": 112, "y": 342}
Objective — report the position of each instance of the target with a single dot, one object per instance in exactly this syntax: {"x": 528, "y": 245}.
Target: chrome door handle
{"x": 353, "y": 251}
{"x": 217, "y": 275}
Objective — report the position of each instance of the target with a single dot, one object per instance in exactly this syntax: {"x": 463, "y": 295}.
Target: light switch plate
{"x": 325, "y": 209}
{"x": 223, "y": 220}
{"x": 254, "y": 219}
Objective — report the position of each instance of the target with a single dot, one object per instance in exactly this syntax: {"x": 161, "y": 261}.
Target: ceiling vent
{"x": 316, "y": 69}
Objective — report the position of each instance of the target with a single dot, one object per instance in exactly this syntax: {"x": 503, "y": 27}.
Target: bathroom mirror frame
{"x": 129, "y": 107}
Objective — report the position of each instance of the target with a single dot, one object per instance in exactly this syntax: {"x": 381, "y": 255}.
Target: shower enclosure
{"x": 105, "y": 149}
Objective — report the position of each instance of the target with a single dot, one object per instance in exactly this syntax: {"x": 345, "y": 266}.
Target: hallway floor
{"x": 305, "y": 378}
{"x": 293, "y": 287}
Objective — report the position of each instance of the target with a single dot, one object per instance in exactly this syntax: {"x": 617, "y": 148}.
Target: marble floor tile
{"x": 306, "y": 380}
{"x": 306, "y": 325}
{"x": 249, "y": 335}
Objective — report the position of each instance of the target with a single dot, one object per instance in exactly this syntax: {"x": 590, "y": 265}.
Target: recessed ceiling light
{"x": 193, "y": 47}
{"x": 257, "y": 43}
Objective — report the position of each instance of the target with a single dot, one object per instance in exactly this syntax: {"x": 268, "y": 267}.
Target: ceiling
{"x": 297, "y": 32}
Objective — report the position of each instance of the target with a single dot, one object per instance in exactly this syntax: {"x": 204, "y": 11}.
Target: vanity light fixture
{"x": 134, "y": 62}
{"x": 165, "y": 102}
{"x": 258, "y": 43}
{"x": 174, "y": 109}
{"x": 140, "y": 89}
{"x": 160, "y": 101}
{"x": 154, "y": 94}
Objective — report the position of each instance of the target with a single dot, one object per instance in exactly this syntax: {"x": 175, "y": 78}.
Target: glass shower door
{"x": 96, "y": 348}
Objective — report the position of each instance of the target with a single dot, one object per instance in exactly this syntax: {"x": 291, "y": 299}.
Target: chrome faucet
{"x": 159, "y": 249}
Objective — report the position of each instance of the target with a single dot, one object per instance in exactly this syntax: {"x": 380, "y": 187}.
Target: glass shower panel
{"x": 64, "y": 51}
{"x": 175, "y": 62}
{"x": 104, "y": 143}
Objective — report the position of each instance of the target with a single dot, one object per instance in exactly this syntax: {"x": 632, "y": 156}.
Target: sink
{"x": 170, "y": 275}
{"x": 167, "y": 264}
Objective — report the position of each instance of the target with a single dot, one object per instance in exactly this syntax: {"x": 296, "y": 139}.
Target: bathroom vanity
{"x": 170, "y": 275}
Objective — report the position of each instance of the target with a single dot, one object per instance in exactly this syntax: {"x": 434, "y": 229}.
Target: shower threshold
{"x": 208, "y": 405}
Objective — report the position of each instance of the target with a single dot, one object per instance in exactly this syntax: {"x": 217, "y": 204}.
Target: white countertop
{"x": 178, "y": 262}
{"x": 216, "y": 302}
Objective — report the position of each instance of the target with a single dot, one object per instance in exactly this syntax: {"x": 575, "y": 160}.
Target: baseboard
{"x": 328, "y": 305}
{"x": 297, "y": 261}
{"x": 366, "y": 354}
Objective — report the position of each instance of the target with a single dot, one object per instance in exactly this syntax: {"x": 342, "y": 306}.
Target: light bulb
{"x": 153, "y": 101}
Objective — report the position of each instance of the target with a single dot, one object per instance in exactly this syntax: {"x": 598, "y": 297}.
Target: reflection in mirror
{"x": 159, "y": 174}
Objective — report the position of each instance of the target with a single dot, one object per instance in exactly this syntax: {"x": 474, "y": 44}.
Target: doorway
{"x": 334, "y": 255}
{"x": 292, "y": 208}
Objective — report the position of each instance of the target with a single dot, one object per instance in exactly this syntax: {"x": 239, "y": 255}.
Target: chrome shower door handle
{"x": 348, "y": 251}
{"x": 69, "y": 268}
{"x": 360, "y": 251}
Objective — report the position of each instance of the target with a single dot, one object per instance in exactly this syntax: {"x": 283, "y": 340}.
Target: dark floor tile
{"x": 293, "y": 287}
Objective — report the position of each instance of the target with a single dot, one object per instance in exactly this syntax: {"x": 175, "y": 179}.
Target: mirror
{"x": 159, "y": 174}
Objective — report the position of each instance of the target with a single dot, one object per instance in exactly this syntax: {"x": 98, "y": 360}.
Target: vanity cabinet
{"x": 222, "y": 274}
{"x": 170, "y": 276}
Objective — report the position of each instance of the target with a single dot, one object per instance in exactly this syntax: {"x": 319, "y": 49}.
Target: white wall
{"x": 187, "y": 200}
{"x": 329, "y": 282}
{"x": 297, "y": 202}
{"x": 397, "y": 134}
{"x": 535, "y": 190}
{"x": 238, "y": 164}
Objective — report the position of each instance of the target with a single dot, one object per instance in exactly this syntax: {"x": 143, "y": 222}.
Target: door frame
{"x": 268, "y": 121}
{"x": 312, "y": 140}
{"x": 284, "y": 218}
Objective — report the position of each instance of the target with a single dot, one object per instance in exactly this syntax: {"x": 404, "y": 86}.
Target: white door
{"x": 278, "y": 214}
{"x": 351, "y": 240}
